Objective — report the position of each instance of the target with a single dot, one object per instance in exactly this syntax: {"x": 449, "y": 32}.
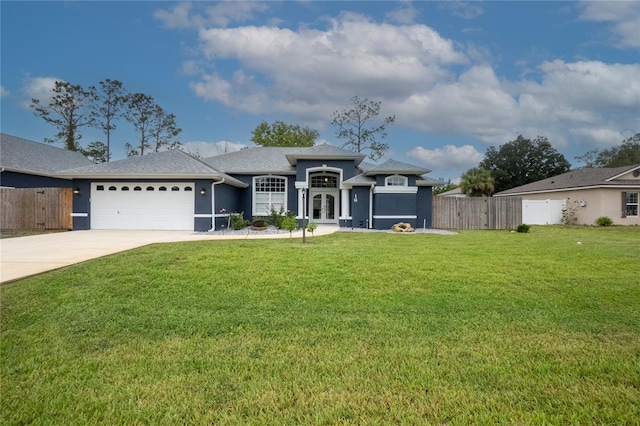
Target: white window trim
{"x": 395, "y": 216}
{"x": 637, "y": 204}
{"x": 404, "y": 178}
{"x": 254, "y": 211}
{"x": 395, "y": 190}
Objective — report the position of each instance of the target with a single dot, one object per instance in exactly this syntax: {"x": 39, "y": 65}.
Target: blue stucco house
{"x": 173, "y": 190}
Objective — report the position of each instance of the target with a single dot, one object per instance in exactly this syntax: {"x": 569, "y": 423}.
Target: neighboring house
{"x": 173, "y": 190}
{"x": 590, "y": 193}
{"x": 455, "y": 192}
{"x": 28, "y": 164}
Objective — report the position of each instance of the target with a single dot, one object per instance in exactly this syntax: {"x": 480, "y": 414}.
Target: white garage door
{"x": 135, "y": 205}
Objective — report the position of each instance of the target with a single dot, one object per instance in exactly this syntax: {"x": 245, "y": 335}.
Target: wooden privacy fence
{"x": 477, "y": 212}
{"x": 36, "y": 208}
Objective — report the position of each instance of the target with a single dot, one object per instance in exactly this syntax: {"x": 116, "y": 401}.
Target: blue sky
{"x": 459, "y": 76}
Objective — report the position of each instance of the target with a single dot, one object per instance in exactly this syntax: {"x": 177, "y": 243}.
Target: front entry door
{"x": 324, "y": 207}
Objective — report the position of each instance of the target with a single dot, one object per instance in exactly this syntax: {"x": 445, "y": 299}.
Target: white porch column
{"x": 344, "y": 204}
{"x": 301, "y": 187}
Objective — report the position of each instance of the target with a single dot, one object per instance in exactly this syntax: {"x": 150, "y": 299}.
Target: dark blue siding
{"x": 360, "y": 209}
{"x": 424, "y": 207}
{"x": 394, "y": 204}
{"x": 348, "y": 167}
{"x": 232, "y": 200}
{"x": 202, "y": 205}
{"x": 22, "y": 180}
{"x": 81, "y": 204}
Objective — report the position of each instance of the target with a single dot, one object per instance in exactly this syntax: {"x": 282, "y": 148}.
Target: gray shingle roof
{"x": 324, "y": 151}
{"x": 425, "y": 180}
{"x": 25, "y": 156}
{"x": 173, "y": 164}
{"x": 394, "y": 166}
{"x": 254, "y": 160}
{"x": 359, "y": 180}
{"x": 580, "y": 178}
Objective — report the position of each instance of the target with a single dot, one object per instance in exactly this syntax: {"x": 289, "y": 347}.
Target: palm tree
{"x": 477, "y": 182}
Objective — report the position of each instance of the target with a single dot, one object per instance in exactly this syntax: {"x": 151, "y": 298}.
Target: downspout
{"x": 213, "y": 204}
{"x": 371, "y": 206}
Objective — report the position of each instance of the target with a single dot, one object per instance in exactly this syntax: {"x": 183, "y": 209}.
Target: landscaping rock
{"x": 402, "y": 227}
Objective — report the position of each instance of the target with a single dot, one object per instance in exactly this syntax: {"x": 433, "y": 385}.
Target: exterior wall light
{"x": 76, "y": 191}
{"x": 355, "y": 198}
{"x": 203, "y": 191}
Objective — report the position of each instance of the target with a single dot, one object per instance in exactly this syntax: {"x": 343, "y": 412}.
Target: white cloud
{"x": 4, "y": 92}
{"x": 600, "y": 137}
{"x": 178, "y": 17}
{"x": 475, "y": 103}
{"x": 405, "y": 13}
{"x": 624, "y": 17}
{"x": 448, "y": 157}
{"x": 430, "y": 83}
{"x": 352, "y": 56}
{"x": 197, "y": 15}
{"x": 211, "y": 149}
{"x": 464, "y": 9}
{"x": 191, "y": 68}
{"x": 38, "y": 88}
{"x": 581, "y": 96}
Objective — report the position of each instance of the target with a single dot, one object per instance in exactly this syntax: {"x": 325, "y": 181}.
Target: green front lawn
{"x": 480, "y": 327}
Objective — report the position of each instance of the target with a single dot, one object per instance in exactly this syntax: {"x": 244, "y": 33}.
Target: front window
{"x": 396, "y": 180}
{"x": 632, "y": 204}
{"x": 269, "y": 192}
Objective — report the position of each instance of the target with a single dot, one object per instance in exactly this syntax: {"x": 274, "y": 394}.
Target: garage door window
{"x": 124, "y": 188}
{"x": 137, "y": 188}
{"x": 150, "y": 188}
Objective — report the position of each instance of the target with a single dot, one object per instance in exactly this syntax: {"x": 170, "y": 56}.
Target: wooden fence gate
{"x": 477, "y": 212}
{"x": 36, "y": 208}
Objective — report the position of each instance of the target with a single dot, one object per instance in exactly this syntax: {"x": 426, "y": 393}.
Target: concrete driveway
{"x": 25, "y": 256}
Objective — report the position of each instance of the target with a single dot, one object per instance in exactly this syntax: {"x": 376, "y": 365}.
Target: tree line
{"x": 72, "y": 107}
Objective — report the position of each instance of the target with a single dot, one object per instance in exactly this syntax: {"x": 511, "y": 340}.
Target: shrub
{"x": 237, "y": 222}
{"x": 604, "y": 221}
{"x": 523, "y": 228}
{"x": 312, "y": 226}
{"x": 275, "y": 217}
{"x": 290, "y": 224}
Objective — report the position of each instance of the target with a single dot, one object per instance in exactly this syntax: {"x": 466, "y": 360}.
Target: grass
{"x": 481, "y": 327}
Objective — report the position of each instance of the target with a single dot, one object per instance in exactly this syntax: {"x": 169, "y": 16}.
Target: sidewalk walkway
{"x": 25, "y": 256}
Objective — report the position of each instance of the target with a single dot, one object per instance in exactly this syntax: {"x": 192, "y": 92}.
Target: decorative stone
{"x": 402, "y": 227}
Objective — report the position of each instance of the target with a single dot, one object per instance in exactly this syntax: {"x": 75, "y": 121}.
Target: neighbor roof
{"x": 25, "y": 156}
{"x": 577, "y": 179}
{"x": 172, "y": 164}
